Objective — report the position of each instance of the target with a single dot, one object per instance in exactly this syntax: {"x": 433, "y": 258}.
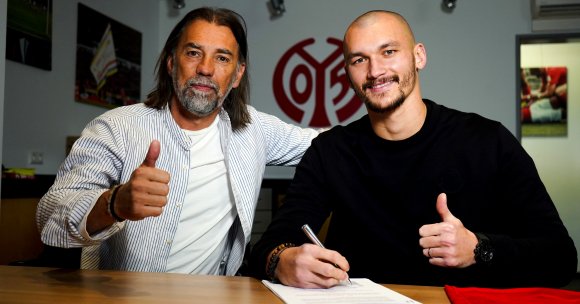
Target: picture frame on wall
{"x": 29, "y": 33}
{"x": 545, "y": 98}
{"x": 108, "y": 60}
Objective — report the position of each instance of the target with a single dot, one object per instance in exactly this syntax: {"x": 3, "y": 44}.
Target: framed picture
{"x": 544, "y": 101}
{"x": 108, "y": 65}
{"x": 29, "y": 32}
{"x": 545, "y": 97}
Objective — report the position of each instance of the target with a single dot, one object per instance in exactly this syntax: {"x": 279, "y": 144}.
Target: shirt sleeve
{"x": 538, "y": 250}
{"x": 286, "y": 143}
{"x": 93, "y": 165}
{"x": 306, "y": 202}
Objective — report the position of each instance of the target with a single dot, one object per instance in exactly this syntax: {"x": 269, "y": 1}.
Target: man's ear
{"x": 420, "y": 55}
{"x": 239, "y": 73}
{"x": 170, "y": 65}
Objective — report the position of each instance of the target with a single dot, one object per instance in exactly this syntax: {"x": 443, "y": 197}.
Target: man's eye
{"x": 223, "y": 59}
{"x": 192, "y": 53}
{"x": 389, "y": 52}
{"x": 357, "y": 61}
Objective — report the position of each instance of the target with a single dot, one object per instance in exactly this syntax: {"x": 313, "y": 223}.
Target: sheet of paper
{"x": 362, "y": 291}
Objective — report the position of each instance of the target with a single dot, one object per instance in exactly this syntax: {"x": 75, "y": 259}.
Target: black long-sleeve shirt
{"x": 381, "y": 192}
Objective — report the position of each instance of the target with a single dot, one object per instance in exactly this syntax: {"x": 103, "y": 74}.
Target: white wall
{"x": 470, "y": 66}
{"x": 471, "y": 52}
{"x": 39, "y": 108}
{"x": 557, "y": 157}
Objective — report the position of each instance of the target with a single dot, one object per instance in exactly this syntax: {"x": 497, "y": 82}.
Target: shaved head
{"x": 369, "y": 18}
{"x": 382, "y": 60}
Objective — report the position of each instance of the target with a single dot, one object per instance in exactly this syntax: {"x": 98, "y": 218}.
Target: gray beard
{"x": 199, "y": 104}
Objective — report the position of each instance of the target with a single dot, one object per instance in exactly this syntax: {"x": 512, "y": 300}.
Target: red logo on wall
{"x": 300, "y": 65}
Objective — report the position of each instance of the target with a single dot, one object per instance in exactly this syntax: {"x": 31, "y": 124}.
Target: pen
{"x": 310, "y": 234}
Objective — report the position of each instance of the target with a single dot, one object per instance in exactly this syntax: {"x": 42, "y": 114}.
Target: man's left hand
{"x": 448, "y": 243}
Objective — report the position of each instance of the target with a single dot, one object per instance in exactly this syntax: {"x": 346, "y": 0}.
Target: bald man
{"x": 417, "y": 193}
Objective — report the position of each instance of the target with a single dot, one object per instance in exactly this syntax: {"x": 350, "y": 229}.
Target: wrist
{"x": 111, "y": 203}
{"x": 274, "y": 258}
{"x": 484, "y": 251}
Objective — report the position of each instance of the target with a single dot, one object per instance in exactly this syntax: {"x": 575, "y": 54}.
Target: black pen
{"x": 310, "y": 234}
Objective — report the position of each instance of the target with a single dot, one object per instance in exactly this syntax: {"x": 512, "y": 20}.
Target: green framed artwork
{"x": 29, "y": 32}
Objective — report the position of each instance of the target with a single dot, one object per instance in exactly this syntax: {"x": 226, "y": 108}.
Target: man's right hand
{"x": 145, "y": 194}
{"x": 310, "y": 266}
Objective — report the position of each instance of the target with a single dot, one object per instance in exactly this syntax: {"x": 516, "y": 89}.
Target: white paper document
{"x": 362, "y": 291}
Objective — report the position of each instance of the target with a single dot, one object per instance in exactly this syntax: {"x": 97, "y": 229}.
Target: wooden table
{"x": 54, "y": 285}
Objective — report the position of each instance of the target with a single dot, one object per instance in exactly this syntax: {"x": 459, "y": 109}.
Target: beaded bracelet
{"x": 111, "y": 204}
{"x": 274, "y": 259}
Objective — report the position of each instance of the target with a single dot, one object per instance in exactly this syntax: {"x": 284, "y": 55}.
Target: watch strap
{"x": 484, "y": 251}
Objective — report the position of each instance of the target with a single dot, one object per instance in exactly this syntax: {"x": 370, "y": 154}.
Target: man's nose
{"x": 375, "y": 69}
{"x": 205, "y": 67}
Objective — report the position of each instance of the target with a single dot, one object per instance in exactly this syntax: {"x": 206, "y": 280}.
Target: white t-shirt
{"x": 208, "y": 210}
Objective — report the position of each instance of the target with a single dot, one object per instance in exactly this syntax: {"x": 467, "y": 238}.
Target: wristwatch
{"x": 483, "y": 251}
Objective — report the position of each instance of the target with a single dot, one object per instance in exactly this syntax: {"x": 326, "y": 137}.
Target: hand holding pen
{"x": 310, "y": 266}
{"x": 310, "y": 234}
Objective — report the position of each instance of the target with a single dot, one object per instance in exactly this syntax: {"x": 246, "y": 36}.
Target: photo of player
{"x": 544, "y": 101}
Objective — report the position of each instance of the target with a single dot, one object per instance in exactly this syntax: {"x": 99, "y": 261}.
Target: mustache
{"x": 200, "y": 80}
{"x": 371, "y": 83}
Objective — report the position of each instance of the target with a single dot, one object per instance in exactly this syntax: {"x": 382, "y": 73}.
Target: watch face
{"x": 486, "y": 256}
{"x": 483, "y": 252}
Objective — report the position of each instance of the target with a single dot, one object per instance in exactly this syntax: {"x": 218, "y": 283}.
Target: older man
{"x": 172, "y": 184}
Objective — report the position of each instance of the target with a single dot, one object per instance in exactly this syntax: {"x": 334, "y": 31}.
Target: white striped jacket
{"x": 115, "y": 143}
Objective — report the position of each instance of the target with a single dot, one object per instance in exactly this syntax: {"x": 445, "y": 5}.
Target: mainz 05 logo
{"x": 308, "y": 80}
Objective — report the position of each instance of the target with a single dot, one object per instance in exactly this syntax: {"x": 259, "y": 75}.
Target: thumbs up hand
{"x": 447, "y": 243}
{"x": 145, "y": 194}
{"x": 152, "y": 154}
